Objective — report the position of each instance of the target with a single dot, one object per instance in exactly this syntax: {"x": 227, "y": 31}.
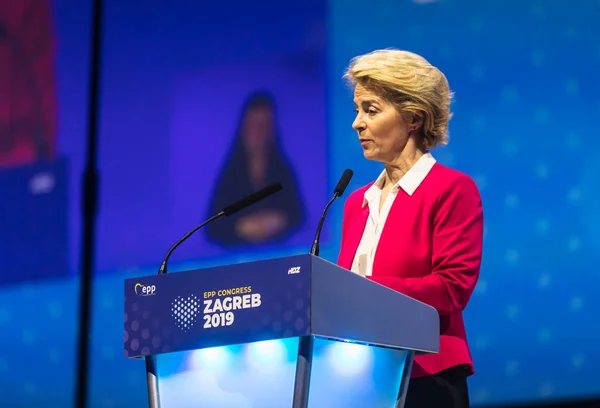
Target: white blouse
{"x": 365, "y": 254}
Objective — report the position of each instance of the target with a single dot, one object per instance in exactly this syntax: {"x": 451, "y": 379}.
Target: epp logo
{"x": 142, "y": 290}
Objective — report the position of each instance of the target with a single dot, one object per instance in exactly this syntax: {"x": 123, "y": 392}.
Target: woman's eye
{"x": 372, "y": 111}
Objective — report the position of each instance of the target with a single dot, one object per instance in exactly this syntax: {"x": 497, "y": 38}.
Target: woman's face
{"x": 258, "y": 129}
{"x": 382, "y": 131}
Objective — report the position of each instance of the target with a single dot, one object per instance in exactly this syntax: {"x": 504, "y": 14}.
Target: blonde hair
{"x": 411, "y": 84}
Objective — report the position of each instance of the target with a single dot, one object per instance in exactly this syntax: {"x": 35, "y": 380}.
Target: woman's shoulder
{"x": 452, "y": 187}
{"x": 446, "y": 178}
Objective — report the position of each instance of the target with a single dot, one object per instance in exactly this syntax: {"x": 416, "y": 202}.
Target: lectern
{"x": 296, "y": 332}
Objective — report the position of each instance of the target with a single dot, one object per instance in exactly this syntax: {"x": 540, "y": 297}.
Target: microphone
{"x": 338, "y": 191}
{"x": 251, "y": 199}
{"x": 227, "y": 211}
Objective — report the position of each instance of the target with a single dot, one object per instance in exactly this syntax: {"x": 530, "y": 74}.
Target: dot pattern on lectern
{"x": 185, "y": 311}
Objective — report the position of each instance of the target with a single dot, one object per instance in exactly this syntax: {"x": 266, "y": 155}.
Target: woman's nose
{"x": 358, "y": 124}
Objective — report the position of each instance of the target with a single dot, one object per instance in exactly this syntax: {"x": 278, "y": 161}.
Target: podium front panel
{"x": 218, "y": 306}
{"x": 261, "y": 375}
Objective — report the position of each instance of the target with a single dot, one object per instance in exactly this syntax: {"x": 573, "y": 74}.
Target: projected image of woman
{"x": 256, "y": 160}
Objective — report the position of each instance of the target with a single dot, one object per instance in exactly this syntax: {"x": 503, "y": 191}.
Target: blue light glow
{"x": 212, "y": 359}
{"x": 350, "y": 359}
{"x": 266, "y": 355}
{"x": 262, "y": 375}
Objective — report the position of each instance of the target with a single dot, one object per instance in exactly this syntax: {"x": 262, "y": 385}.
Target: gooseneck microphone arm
{"x": 163, "y": 266}
{"x": 337, "y": 192}
{"x": 227, "y": 211}
{"x": 314, "y": 250}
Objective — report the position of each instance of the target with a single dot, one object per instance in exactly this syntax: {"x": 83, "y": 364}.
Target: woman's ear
{"x": 416, "y": 121}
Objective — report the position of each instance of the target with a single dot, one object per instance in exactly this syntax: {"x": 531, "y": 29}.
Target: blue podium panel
{"x": 218, "y": 306}
{"x": 271, "y": 299}
{"x": 296, "y": 331}
{"x": 261, "y": 375}
{"x": 347, "y": 306}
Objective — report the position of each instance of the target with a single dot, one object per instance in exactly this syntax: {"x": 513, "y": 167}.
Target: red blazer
{"x": 430, "y": 249}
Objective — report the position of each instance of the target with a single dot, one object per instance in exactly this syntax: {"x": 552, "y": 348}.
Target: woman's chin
{"x": 369, "y": 154}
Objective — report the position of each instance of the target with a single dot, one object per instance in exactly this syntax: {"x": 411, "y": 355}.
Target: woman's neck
{"x": 397, "y": 168}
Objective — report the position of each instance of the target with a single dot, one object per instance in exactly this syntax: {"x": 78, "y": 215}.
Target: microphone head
{"x": 343, "y": 183}
{"x": 251, "y": 199}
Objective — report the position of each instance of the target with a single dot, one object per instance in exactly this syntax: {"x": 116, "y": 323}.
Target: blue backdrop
{"x": 525, "y": 74}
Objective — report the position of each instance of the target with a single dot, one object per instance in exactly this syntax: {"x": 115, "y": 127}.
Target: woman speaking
{"x": 418, "y": 228}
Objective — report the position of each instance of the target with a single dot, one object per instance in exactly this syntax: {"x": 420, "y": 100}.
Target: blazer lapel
{"x": 354, "y": 235}
{"x": 387, "y": 247}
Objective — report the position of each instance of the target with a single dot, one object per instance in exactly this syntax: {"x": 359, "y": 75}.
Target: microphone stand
{"x": 306, "y": 343}
{"x": 151, "y": 370}
{"x": 89, "y": 209}
{"x": 151, "y": 374}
